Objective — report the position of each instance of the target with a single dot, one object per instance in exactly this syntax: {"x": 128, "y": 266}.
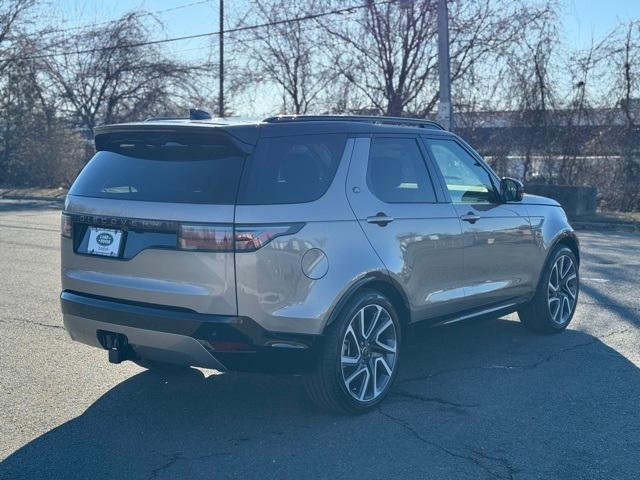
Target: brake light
{"x": 250, "y": 238}
{"x": 223, "y": 238}
{"x": 218, "y": 238}
{"x": 66, "y": 225}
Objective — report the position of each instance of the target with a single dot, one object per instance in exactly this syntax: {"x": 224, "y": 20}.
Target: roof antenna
{"x": 195, "y": 114}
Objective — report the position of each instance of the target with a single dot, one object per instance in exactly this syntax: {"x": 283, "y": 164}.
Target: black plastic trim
{"x": 139, "y": 234}
{"x": 357, "y": 285}
{"x": 566, "y": 234}
{"x": 263, "y": 350}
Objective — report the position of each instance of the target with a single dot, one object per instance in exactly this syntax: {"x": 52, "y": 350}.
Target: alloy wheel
{"x": 369, "y": 353}
{"x": 562, "y": 290}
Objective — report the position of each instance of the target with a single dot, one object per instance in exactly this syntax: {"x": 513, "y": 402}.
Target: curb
{"x": 611, "y": 226}
{"x": 38, "y": 194}
{"x": 34, "y": 197}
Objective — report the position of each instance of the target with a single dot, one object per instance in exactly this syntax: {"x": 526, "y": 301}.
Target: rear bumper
{"x": 185, "y": 337}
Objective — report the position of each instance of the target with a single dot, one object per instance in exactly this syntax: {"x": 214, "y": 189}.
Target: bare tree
{"x": 16, "y": 101}
{"x": 12, "y": 18}
{"x": 623, "y": 60}
{"x": 482, "y": 34}
{"x": 38, "y": 148}
{"x": 579, "y": 119}
{"x": 288, "y": 55}
{"x": 388, "y": 52}
{"x": 114, "y": 80}
{"x": 531, "y": 88}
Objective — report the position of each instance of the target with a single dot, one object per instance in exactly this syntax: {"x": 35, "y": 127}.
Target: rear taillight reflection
{"x": 252, "y": 237}
{"x": 217, "y": 238}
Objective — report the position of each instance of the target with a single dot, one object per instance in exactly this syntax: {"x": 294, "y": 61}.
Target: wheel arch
{"x": 566, "y": 238}
{"x": 381, "y": 283}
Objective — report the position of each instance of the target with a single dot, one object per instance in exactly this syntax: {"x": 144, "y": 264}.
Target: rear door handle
{"x": 470, "y": 217}
{"x": 380, "y": 218}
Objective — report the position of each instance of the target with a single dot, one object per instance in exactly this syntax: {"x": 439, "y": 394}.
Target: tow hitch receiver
{"x": 117, "y": 345}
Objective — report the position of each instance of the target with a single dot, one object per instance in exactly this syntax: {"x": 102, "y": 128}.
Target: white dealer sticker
{"x": 104, "y": 241}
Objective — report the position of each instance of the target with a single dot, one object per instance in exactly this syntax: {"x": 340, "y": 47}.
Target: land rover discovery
{"x": 301, "y": 244}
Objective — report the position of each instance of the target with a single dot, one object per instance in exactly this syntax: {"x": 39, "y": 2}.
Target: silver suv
{"x": 301, "y": 245}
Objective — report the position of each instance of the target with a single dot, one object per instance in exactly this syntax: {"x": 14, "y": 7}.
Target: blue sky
{"x": 581, "y": 20}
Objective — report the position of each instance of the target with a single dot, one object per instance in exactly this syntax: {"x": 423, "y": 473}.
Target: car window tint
{"x": 397, "y": 172}
{"x": 466, "y": 178}
{"x": 162, "y": 168}
{"x": 293, "y": 169}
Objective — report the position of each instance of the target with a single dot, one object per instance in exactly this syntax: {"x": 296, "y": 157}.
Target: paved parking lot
{"x": 484, "y": 399}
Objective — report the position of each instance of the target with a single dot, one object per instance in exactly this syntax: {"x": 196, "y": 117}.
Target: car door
{"x": 416, "y": 234}
{"x": 498, "y": 240}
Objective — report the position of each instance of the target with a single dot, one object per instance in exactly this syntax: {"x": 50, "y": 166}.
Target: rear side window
{"x": 161, "y": 168}
{"x": 397, "y": 172}
{"x": 294, "y": 169}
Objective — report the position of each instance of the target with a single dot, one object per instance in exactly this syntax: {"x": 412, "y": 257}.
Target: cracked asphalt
{"x": 484, "y": 399}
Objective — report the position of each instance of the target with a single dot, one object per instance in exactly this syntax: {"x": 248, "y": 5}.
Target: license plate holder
{"x": 105, "y": 242}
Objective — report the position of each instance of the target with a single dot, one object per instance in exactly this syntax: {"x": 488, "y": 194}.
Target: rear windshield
{"x": 292, "y": 169}
{"x": 161, "y": 168}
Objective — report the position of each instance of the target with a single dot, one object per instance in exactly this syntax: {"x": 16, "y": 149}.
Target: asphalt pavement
{"x": 483, "y": 399}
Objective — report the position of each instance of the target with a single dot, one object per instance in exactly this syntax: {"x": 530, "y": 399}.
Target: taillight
{"x": 223, "y": 238}
{"x": 66, "y": 225}
{"x": 250, "y": 238}
{"x": 218, "y": 238}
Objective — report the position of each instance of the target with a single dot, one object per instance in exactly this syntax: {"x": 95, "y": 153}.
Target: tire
{"x": 343, "y": 378}
{"x": 555, "y": 301}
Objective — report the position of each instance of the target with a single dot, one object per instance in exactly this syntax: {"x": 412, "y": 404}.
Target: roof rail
{"x": 374, "y": 119}
{"x": 153, "y": 119}
{"x": 194, "y": 114}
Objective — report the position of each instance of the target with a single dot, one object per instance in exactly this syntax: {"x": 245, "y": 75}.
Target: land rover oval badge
{"x": 105, "y": 239}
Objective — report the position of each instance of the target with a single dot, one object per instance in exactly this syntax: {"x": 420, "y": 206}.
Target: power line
{"x": 312, "y": 16}
{"x": 135, "y": 14}
{"x": 279, "y": 33}
{"x": 108, "y": 22}
{"x": 243, "y": 41}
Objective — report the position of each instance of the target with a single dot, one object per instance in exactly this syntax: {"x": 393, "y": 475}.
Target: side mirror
{"x": 512, "y": 190}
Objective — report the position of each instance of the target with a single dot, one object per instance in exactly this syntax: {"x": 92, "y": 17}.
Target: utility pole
{"x": 221, "y": 63}
{"x": 445, "y": 114}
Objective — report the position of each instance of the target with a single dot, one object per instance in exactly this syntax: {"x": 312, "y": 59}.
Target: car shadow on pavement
{"x": 481, "y": 400}
{"x": 627, "y": 313}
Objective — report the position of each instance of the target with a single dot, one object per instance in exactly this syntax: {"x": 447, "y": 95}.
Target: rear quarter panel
{"x": 272, "y": 288}
{"x": 274, "y": 291}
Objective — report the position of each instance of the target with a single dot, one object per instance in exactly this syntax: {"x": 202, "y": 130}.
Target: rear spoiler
{"x": 243, "y": 137}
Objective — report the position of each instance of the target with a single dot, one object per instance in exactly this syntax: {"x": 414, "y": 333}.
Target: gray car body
{"x": 434, "y": 266}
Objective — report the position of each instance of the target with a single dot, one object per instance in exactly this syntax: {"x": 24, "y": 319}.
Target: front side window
{"x": 397, "y": 172}
{"x": 294, "y": 169}
{"x": 466, "y": 178}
